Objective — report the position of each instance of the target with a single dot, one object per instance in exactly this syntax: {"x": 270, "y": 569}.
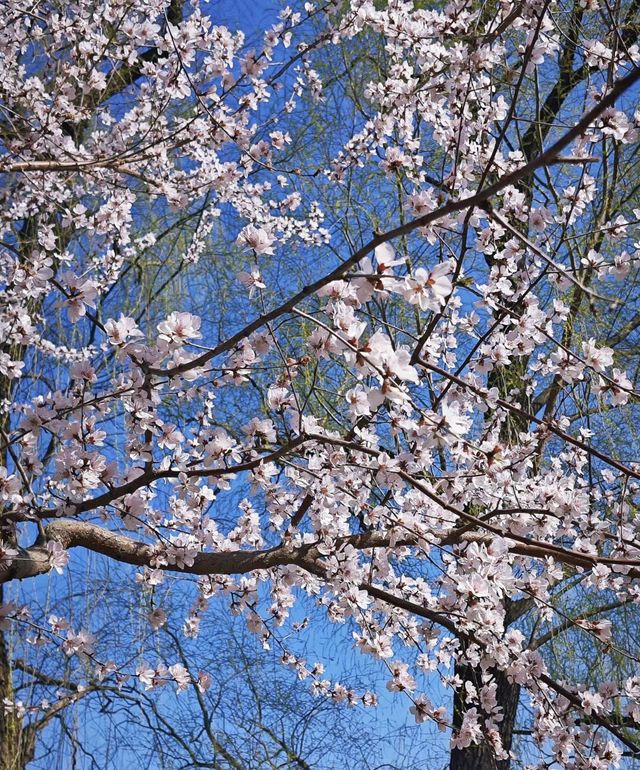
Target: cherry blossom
{"x": 258, "y": 239}
{"x": 121, "y": 330}
{"x": 58, "y": 557}
{"x": 428, "y": 289}
{"x": 179, "y": 327}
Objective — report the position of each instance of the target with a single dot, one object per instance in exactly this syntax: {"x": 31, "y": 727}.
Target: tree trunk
{"x": 16, "y": 744}
{"x": 482, "y": 756}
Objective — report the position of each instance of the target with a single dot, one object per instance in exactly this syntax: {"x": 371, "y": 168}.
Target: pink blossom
{"x": 119, "y": 331}
{"x": 252, "y": 279}
{"x": 58, "y": 556}
{"x": 7, "y": 554}
{"x": 257, "y": 238}
{"x": 597, "y": 358}
{"x": 428, "y": 288}
{"x": 179, "y": 328}
{"x": 157, "y": 618}
{"x": 181, "y": 676}
{"x": 79, "y": 643}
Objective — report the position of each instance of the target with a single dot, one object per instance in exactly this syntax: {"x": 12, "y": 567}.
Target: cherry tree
{"x": 416, "y": 404}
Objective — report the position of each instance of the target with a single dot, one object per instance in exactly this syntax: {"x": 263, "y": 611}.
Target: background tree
{"x": 248, "y": 712}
